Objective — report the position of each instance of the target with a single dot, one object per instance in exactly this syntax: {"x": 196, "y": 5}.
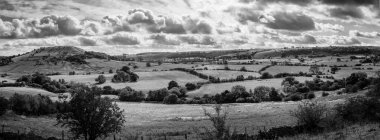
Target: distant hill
{"x": 61, "y": 59}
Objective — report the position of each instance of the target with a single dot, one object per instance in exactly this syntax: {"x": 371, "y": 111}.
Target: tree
{"x": 375, "y": 59}
{"x": 148, "y": 64}
{"x": 191, "y": 86}
{"x": 219, "y": 121}
{"x": 314, "y": 69}
{"x": 4, "y": 104}
{"x": 239, "y": 91}
{"x": 172, "y": 84}
{"x": 171, "y": 99}
{"x": 110, "y": 71}
{"x": 262, "y": 93}
{"x": 243, "y": 69}
{"x": 90, "y": 115}
{"x": 101, "y": 79}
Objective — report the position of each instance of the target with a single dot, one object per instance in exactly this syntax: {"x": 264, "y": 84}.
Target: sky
{"x": 135, "y": 26}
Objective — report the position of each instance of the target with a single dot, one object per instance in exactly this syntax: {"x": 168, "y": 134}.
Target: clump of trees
{"x": 32, "y": 105}
{"x": 38, "y": 80}
{"x": 131, "y": 95}
{"x": 125, "y": 75}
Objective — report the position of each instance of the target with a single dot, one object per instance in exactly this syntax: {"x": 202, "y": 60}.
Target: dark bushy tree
{"x": 101, "y": 79}
{"x": 4, "y": 104}
{"x": 128, "y": 94}
{"x": 171, "y": 99}
{"x": 191, "y": 86}
{"x": 157, "y": 95}
{"x": 172, "y": 84}
{"x": 90, "y": 115}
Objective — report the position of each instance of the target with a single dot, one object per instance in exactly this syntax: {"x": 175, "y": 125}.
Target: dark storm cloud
{"x": 346, "y": 12}
{"x": 345, "y": 2}
{"x": 291, "y": 21}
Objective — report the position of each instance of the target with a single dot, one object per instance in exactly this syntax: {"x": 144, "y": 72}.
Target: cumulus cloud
{"x": 356, "y": 33}
{"x": 338, "y": 40}
{"x": 198, "y": 40}
{"x": 164, "y": 39}
{"x": 328, "y": 26}
{"x": 122, "y": 39}
{"x": 290, "y": 21}
{"x": 137, "y": 20}
{"x": 303, "y": 39}
{"x": 346, "y": 12}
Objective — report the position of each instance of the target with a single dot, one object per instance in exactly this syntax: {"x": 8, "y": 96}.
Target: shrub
{"x": 310, "y": 114}
{"x": 128, "y": 94}
{"x": 243, "y": 69}
{"x": 190, "y": 86}
{"x": 310, "y": 95}
{"x": 324, "y": 94}
{"x": 101, "y": 79}
{"x": 4, "y": 104}
{"x": 240, "y": 100}
{"x": 219, "y": 121}
{"x": 171, "y": 99}
{"x": 359, "y": 108}
{"x": 294, "y": 97}
{"x": 266, "y": 75}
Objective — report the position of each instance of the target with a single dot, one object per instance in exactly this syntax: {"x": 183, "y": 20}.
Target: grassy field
{"x": 213, "y": 89}
{"x": 148, "y": 80}
{"x": 223, "y": 74}
{"x": 8, "y": 92}
{"x": 255, "y": 68}
{"x": 149, "y": 118}
{"x": 287, "y": 69}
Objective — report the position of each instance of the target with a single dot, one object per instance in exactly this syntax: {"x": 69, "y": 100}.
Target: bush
{"x": 266, "y": 75}
{"x": 171, "y": 99}
{"x": 310, "y": 114}
{"x": 294, "y": 97}
{"x": 324, "y": 94}
{"x": 310, "y": 95}
{"x": 101, "y": 79}
{"x": 359, "y": 109}
{"x": 4, "y": 104}
{"x": 191, "y": 86}
{"x": 130, "y": 95}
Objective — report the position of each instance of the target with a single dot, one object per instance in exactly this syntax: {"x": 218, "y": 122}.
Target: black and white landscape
{"x": 189, "y": 69}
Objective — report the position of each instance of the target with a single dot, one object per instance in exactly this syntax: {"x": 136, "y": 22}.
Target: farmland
{"x": 155, "y": 80}
{"x": 213, "y": 89}
{"x": 223, "y": 74}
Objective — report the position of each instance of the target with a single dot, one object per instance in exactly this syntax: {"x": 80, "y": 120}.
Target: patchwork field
{"x": 8, "y": 92}
{"x": 287, "y": 69}
{"x": 255, "y": 68}
{"x": 212, "y": 89}
{"x": 148, "y": 80}
{"x": 223, "y": 74}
